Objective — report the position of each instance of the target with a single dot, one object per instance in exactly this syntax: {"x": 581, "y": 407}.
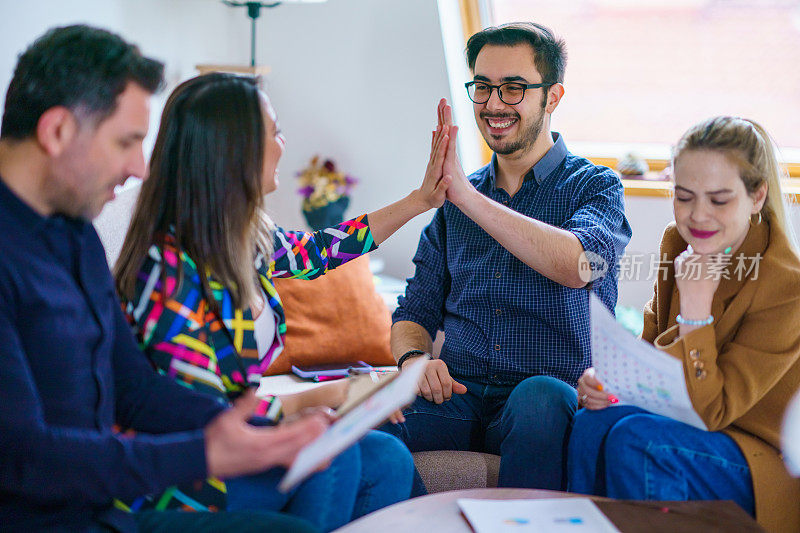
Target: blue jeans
{"x": 374, "y": 473}
{"x": 527, "y": 425}
{"x": 626, "y": 452}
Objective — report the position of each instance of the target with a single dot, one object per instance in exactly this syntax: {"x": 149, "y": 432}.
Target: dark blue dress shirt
{"x": 503, "y": 321}
{"x": 69, "y": 369}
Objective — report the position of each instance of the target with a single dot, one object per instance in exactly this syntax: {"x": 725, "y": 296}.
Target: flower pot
{"x": 328, "y": 215}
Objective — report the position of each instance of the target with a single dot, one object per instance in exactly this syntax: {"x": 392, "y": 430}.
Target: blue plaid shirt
{"x": 503, "y": 321}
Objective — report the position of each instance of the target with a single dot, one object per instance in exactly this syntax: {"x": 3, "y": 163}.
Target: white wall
{"x": 358, "y": 81}
{"x": 354, "y": 80}
{"x": 648, "y": 218}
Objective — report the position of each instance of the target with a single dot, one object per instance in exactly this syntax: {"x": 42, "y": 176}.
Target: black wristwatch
{"x": 407, "y": 355}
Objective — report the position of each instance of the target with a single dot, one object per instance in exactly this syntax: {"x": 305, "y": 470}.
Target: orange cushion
{"x": 336, "y": 318}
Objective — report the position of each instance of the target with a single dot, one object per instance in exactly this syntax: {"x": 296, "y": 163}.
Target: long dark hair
{"x": 204, "y": 187}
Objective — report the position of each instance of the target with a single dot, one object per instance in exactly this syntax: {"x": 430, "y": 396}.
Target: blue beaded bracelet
{"x": 686, "y": 322}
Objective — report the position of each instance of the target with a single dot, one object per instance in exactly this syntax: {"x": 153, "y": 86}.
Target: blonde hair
{"x": 749, "y": 145}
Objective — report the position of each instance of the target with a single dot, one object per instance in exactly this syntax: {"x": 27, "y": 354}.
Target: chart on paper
{"x": 636, "y": 372}
{"x": 554, "y": 515}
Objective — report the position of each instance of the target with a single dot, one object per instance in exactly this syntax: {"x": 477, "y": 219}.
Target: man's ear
{"x": 56, "y": 129}
{"x": 554, "y": 94}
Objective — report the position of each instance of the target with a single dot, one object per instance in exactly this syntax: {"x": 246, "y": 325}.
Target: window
{"x": 640, "y": 72}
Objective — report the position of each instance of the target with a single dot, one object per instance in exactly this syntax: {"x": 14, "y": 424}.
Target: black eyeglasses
{"x": 510, "y": 93}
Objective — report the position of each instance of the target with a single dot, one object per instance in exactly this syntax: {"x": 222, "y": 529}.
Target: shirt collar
{"x": 19, "y": 210}
{"x": 31, "y": 220}
{"x": 545, "y": 166}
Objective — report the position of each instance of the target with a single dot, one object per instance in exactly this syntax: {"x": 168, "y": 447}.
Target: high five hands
{"x": 434, "y": 185}
{"x": 458, "y": 186}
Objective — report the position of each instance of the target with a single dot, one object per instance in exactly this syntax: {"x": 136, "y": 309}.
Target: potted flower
{"x": 325, "y": 193}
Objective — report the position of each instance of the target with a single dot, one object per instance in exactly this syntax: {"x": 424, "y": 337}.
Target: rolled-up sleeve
{"x": 599, "y": 223}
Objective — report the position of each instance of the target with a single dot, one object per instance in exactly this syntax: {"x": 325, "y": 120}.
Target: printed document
{"x": 551, "y": 514}
{"x": 394, "y": 394}
{"x": 636, "y": 372}
{"x": 790, "y": 437}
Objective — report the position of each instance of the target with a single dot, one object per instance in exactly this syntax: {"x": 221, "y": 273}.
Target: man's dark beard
{"x": 526, "y": 140}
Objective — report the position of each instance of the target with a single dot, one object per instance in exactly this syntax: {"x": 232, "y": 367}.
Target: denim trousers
{"x": 527, "y": 425}
{"x": 374, "y": 473}
{"x": 628, "y": 453}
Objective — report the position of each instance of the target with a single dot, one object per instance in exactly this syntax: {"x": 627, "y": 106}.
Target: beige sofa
{"x": 444, "y": 470}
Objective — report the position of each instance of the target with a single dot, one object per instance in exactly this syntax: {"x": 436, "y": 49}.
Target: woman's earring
{"x": 759, "y": 219}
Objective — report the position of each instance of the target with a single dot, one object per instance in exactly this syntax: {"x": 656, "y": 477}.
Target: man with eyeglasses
{"x": 505, "y": 269}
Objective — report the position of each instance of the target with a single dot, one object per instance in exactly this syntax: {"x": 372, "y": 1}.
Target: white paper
{"x": 790, "y": 437}
{"x": 636, "y": 372}
{"x": 549, "y": 514}
{"x": 343, "y": 433}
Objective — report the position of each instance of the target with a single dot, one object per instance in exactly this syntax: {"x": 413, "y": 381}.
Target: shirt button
{"x": 698, "y": 365}
{"x": 498, "y": 275}
{"x": 505, "y": 202}
{"x": 497, "y": 347}
{"x": 498, "y": 312}
{"x": 694, "y": 354}
{"x": 700, "y": 374}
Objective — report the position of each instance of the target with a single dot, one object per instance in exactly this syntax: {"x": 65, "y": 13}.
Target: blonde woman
{"x": 727, "y": 308}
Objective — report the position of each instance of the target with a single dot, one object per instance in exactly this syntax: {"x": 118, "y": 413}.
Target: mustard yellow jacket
{"x": 742, "y": 370}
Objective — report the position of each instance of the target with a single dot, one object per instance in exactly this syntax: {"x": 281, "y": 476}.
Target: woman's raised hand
{"x": 434, "y": 187}
{"x": 696, "y": 275}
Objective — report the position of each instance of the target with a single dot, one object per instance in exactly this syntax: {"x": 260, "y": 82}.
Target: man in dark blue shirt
{"x": 505, "y": 269}
{"x": 76, "y": 113}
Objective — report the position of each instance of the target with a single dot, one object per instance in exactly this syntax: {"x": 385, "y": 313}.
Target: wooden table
{"x": 439, "y": 513}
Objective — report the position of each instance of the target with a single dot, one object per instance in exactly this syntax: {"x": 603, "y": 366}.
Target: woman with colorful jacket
{"x": 195, "y": 276}
{"x": 726, "y": 307}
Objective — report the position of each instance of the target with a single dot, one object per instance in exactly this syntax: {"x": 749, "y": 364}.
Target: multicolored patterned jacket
{"x": 215, "y": 351}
